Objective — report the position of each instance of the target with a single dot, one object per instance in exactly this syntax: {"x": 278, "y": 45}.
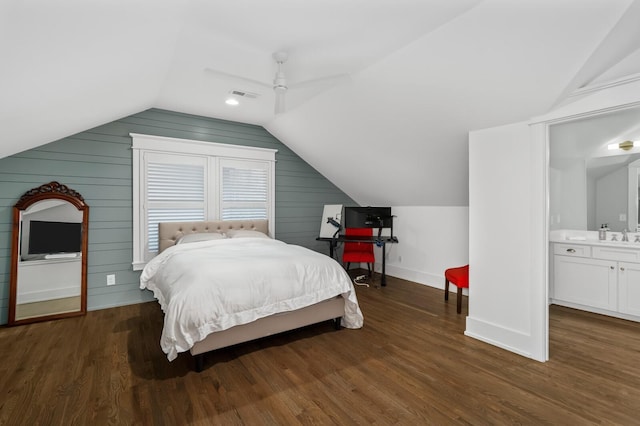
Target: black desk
{"x": 380, "y": 241}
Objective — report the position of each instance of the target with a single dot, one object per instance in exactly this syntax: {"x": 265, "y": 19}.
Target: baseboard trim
{"x": 420, "y": 277}
{"x": 143, "y": 298}
{"x": 509, "y": 339}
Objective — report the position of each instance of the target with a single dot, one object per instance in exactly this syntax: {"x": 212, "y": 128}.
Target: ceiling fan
{"x": 280, "y": 85}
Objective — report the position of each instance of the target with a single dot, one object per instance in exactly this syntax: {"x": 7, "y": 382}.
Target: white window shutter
{"x": 244, "y": 190}
{"x": 175, "y": 192}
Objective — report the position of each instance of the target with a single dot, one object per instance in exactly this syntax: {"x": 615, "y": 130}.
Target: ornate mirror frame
{"x": 49, "y": 191}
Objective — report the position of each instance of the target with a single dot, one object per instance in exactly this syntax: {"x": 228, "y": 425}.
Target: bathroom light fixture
{"x": 232, "y": 101}
{"x": 626, "y": 145}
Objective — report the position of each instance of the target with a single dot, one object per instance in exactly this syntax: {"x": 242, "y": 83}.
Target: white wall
{"x": 592, "y": 222}
{"x": 568, "y": 196}
{"x": 506, "y": 195}
{"x": 611, "y": 199}
{"x": 41, "y": 280}
{"x": 431, "y": 239}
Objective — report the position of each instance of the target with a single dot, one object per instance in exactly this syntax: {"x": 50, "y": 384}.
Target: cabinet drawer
{"x": 619, "y": 254}
{"x": 572, "y": 250}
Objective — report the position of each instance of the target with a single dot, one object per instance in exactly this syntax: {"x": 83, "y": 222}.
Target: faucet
{"x": 625, "y": 237}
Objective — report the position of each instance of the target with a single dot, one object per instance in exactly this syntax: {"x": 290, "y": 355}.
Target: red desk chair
{"x": 460, "y": 278}
{"x": 358, "y": 252}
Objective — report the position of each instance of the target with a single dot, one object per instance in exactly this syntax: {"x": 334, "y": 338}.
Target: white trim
{"x": 496, "y": 335}
{"x": 550, "y": 119}
{"x": 539, "y": 276}
{"x": 138, "y": 230}
{"x": 213, "y": 149}
{"x": 614, "y": 98}
{"x": 606, "y": 85}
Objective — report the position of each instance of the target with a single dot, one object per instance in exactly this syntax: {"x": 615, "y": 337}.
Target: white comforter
{"x": 211, "y": 286}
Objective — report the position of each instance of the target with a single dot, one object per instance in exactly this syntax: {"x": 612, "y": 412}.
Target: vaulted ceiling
{"x": 413, "y": 76}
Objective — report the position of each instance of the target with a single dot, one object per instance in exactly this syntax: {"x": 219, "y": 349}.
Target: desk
{"x": 381, "y": 241}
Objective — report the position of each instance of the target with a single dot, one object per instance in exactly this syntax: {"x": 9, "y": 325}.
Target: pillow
{"x": 201, "y": 236}
{"x": 246, "y": 233}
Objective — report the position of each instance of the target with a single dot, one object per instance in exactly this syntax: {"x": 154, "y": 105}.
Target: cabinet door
{"x": 629, "y": 288}
{"x": 589, "y": 282}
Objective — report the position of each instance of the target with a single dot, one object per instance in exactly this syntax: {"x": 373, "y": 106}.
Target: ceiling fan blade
{"x": 280, "y": 105}
{"x": 238, "y": 77}
{"x": 328, "y": 80}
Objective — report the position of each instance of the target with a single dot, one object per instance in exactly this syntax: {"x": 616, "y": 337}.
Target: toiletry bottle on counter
{"x": 602, "y": 233}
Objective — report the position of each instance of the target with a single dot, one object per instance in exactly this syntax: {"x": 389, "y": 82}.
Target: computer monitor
{"x": 368, "y": 217}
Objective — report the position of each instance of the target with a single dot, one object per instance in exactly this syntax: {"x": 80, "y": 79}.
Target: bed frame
{"x": 332, "y": 309}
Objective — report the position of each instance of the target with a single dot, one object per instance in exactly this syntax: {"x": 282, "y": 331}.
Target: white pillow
{"x": 246, "y": 233}
{"x": 201, "y": 236}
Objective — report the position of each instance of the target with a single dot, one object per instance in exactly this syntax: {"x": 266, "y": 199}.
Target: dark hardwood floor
{"x": 410, "y": 364}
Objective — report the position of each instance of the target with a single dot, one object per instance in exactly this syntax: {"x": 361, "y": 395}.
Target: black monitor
{"x": 368, "y": 217}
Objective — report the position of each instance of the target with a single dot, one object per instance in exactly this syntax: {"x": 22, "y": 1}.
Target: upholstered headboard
{"x": 170, "y": 232}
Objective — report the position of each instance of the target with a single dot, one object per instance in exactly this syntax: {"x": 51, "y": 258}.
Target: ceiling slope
{"x": 422, "y": 74}
{"x": 618, "y": 55}
{"x": 71, "y": 65}
{"x": 398, "y": 134}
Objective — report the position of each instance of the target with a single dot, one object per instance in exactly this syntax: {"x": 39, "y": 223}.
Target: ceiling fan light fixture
{"x": 278, "y": 84}
{"x": 280, "y": 57}
{"x": 279, "y": 81}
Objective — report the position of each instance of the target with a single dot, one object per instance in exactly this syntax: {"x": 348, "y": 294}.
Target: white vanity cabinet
{"x": 629, "y": 288}
{"x": 599, "y": 279}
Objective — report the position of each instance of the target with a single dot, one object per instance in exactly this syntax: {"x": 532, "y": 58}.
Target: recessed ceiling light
{"x": 231, "y": 101}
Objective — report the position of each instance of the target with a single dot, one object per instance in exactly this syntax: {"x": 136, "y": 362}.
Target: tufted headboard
{"x": 170, "y": 232}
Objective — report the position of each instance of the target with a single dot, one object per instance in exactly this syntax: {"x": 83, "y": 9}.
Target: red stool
{"x": 460, "y": 278}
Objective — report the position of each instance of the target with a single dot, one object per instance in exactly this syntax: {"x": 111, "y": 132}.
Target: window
{"x": 179, "y": 180}
{"x": 175, "y": 191}
{"x": 244, "y": 190}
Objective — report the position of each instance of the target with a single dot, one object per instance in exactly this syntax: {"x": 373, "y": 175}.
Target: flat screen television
{"x": 368, "y": 217}
{"x": 54, "y": 237}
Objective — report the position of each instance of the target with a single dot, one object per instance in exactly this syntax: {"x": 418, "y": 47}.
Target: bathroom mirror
{"x": 590, "y": 183}
{"x": 48, "y": 255}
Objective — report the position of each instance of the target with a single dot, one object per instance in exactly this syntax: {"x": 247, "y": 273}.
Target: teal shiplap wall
{"x": 98, "y": 164}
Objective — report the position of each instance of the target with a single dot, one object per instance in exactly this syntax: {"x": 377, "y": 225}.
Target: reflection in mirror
{"x": 49, "y": 246}
{"x": 634, "y": 195}
{"x": 608, "y": 192}
{"x": 589, "y": 183}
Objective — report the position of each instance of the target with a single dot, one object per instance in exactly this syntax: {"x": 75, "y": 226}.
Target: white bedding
{"x": 211, "y": 286}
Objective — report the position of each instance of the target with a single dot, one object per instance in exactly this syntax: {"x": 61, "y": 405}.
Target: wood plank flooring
{"x": 410, "y": 364}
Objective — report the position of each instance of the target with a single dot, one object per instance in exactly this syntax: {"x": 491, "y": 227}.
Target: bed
{"x": 226, "y": 282}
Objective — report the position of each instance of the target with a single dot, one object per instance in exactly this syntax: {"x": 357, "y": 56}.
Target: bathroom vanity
{"x": 601, "y": 276}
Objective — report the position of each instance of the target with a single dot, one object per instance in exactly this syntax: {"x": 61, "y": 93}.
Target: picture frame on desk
{"x": 333, "y": 212}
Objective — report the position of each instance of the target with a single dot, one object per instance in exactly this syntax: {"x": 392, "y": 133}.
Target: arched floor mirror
{"x": 48, "y": 255}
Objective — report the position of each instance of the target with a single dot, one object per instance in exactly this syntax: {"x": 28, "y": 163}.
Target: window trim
{"x": 142, "y": 143}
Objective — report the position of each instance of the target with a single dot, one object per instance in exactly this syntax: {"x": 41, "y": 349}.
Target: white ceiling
{"x": 420, "y": 74}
